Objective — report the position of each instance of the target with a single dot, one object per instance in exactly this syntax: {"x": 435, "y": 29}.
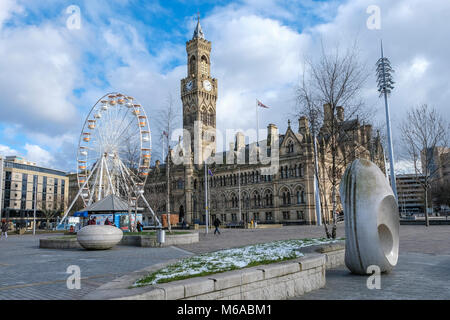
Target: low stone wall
{"x": 150, "y": 241}
{"x": 278, "y": 281}
{"x": 269, "y": 226}
{"x": 334, "y": 253}
{"x": 52, "y": 243}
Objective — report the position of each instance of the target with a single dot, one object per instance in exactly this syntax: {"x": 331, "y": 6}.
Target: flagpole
{"x": 257, "y": 127}
{"x": 206, "y": 197}
{"x": 163, "y": 153}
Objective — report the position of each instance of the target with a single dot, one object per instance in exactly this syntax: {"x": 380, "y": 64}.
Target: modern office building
{"x": 439, "y": 163}
{"x": 24, "y": 186}
{"x": 410, "y": 193}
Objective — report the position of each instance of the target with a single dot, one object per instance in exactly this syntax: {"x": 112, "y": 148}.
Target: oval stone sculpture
{"x": 371, "y": 218}
{"x": 99, "y": 237}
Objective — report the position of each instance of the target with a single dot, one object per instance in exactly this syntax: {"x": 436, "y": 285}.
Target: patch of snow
{"x": 236, "y": 258}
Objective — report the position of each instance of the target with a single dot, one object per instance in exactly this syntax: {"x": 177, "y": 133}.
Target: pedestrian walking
{"x": 139, "y": 226}
{"x": 216, "y": 224}
{"x": 4, "y": 228}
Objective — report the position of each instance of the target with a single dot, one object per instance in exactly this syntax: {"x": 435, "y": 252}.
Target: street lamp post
{"x": 34, "y": 205}
{"x": 206, "y": 197}
{"x": 385, "y": 85}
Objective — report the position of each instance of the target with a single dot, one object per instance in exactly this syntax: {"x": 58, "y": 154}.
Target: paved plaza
{"x": 27, "y": 272}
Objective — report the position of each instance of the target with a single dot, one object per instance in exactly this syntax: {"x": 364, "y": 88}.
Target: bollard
{"x": 161, "y": 236}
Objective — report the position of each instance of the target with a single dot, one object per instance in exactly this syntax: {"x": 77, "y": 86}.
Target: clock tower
{"x": 199, "y": 96}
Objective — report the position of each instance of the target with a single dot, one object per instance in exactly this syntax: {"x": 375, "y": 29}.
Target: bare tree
{"x": 154, "y": 192}
{"x": 423, "y": 131}
{"x": 167, "y": 122}
{"x": 334, "y": 80}
{"x": 132, "y": 155}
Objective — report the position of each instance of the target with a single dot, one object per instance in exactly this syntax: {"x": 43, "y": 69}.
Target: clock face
{"x": 189, "y": 85}
{"x": 207, "y": 85}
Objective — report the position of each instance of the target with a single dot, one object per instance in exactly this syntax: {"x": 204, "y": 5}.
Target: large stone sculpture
{"x": 371, "y": 218}
{"x": 99, "y": 237}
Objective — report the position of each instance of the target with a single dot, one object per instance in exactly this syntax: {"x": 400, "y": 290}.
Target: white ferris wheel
{"x": 114, "y": 152}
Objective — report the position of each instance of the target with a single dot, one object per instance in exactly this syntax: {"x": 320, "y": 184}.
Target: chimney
{"x": 271, "y": 131}
{"x": 340, "y": 113}
{"x": 327, "y": 114}
{"x": 240, "y": 141}
{"x": 240, "y": 147}
{"x": 303, "y": 125}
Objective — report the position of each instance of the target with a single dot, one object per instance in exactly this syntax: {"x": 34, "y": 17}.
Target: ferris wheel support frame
{"x": 78, "y": 195}
{"x": 139, "y": 194}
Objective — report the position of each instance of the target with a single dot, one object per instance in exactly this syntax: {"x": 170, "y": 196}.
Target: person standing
{"x": 4, "y": 229}
{"x": 139, "y": 226}
{"x": 216, "y": 224}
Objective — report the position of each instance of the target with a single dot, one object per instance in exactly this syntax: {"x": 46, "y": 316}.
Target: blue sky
{"x": 50, "y": 76}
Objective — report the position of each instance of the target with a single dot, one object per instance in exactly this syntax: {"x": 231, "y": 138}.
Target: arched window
{"x": 204, "y": 65}
{"x": 204, "y": 117}
{"x": 192, "y": 66}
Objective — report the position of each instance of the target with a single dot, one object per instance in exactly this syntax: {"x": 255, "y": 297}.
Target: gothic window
{"x": 300, "y": 193}
{"x": 204, "y": 117}
{"x": 192, "y": 69}
{"x": 204, "y": 65}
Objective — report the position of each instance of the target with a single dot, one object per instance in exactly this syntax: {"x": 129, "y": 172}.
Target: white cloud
{"x": 38, "y": 72}
{"x": 404, "y": 167}
{"x": 39, "y": 155}
{"x": 7, "y": 9}
{"x": 7, "y": 151}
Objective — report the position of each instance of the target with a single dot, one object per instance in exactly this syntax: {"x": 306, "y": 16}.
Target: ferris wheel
{"x": 114, "y": 151}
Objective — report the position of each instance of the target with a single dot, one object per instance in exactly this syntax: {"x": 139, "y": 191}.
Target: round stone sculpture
{"x": 99, "y": 237}
{"x": 371, "y": 218}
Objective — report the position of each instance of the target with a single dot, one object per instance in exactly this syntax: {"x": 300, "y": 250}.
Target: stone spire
{"x": 198, "y": 32}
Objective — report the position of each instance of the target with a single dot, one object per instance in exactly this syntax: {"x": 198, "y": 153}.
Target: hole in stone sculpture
{"x": 386, "y": 240}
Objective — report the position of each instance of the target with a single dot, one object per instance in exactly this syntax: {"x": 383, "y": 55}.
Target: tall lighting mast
{"x": 385, "y": 86}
